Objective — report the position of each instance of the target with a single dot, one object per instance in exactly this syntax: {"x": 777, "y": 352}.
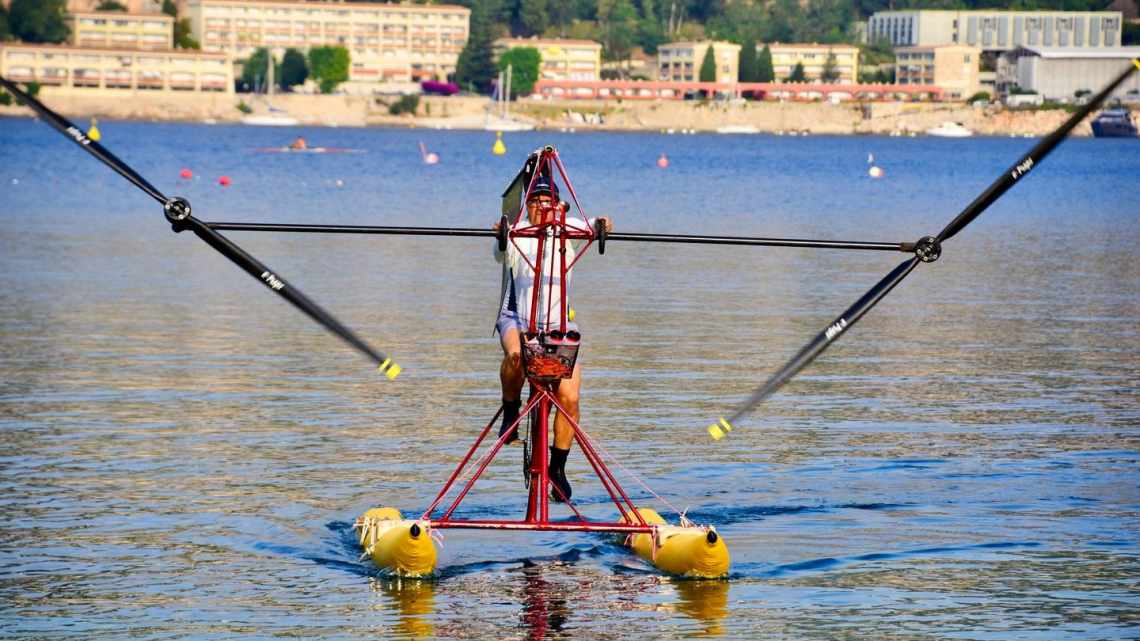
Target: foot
{"x": 560, "y": 487}
{"x": 510, "y": 415}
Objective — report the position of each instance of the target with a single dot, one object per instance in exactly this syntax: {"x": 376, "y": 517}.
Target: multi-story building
{"x": 1057, "y": 73}
{"x": 562, "y": 59}
{"x": 681, "y": 61}
{"x": 814, "y": 57}
{"x": 953, "y": 68}
{"x": 994, "y": 30}
{"x": 115, "y": 71}
{"x": 386, "y": 42}
{"x": 124, "y": 30}
{"x": 133, "y": 6}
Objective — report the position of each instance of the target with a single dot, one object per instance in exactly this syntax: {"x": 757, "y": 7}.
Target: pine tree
{"x": 765, "y": 72}
{"x": 708, "y": 66}
{"x": 830, "y": 71}
{"x": 476, "y": 67}
{"x": 749, "y": 71}
{"x": 798, "y": 74}
{"x": 38, "y": 20}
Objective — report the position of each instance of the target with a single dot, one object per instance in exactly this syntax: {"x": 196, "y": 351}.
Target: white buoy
{"x": 870, "y": 159}
{"x": 875, "y": 172}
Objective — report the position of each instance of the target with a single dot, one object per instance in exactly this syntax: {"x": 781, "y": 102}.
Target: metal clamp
{"x": 928, "y": 249}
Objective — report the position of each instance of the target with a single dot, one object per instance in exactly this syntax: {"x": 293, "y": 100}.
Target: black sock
{"x": 510, "y": 413}
{"x": 557, "y": 472}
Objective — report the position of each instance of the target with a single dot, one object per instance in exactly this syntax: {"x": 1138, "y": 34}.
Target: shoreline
{"x": 469, "y": 113}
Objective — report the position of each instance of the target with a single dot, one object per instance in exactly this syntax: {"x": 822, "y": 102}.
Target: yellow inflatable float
{"x": 401, "y": 546}
{"x": 681, "y": 550}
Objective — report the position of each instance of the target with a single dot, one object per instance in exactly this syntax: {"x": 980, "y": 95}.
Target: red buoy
{"x": 663, "y": 162}
{"x": 224, "y": 181}
{"x": 185, "y": 174}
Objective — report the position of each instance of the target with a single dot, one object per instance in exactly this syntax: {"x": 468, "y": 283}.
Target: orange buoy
{"x": 663, "y": 162}
{"x": 224, "y": 181}
{"x": 185, "y": 174}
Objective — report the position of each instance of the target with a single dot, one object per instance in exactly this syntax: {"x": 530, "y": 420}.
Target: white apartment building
{"x": 993, "y": 30}
{"x": 386, "y": 42}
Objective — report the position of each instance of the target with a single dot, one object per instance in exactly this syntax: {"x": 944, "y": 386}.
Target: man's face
{"x": 537, "y": 206}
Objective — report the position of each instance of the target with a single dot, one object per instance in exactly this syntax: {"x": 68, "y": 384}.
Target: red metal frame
{"x": 542, "y": 394}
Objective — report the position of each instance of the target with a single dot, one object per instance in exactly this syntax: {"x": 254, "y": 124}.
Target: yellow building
{"x": 813, "y": 57}
{"x": 562, "y": 59}
{"x": 115, "y": 71}
{"x": 953, "y": 68}
{"x": 681, "y": 61}
{"x": 386, "y": 42}
{"x": 125, "y": 30}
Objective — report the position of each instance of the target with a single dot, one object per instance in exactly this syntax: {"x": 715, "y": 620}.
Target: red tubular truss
{"x": 553, "y": 232}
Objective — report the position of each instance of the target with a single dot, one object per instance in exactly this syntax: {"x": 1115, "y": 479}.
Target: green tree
{"x": 797, "y": 73}
{"x": 294, "y": 71}
{"x": 111, "y": 5}
{"x": 708, "y": 66}
{"x": 182, "y": 37}
{"x": 524, "y": 63}
{"x": 618, "y": 22}
{"x": 170, "y": 8}
{"x": 38, "y": 20}
{"x": 749, "y": 71}
{"x": 830, "y": 72}
{"x": 476, "y": 65}
{"x": 255, "y": 71}
{"x": 329, "y": 66}
{"x": 765, "y": 72}
{"x": 531, "y": 17}
{"x": 5, "y": 32}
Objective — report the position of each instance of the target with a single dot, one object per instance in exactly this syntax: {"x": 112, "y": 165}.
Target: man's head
{"x": 543, "y": 194}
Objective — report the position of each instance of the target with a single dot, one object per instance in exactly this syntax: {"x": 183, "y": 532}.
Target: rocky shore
{"x": 465, "y": 112}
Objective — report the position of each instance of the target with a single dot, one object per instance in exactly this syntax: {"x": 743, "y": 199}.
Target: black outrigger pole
{"x": 177, "y": 211}
{"x": 927, "y": 250}
{"x": 640, "y": 238}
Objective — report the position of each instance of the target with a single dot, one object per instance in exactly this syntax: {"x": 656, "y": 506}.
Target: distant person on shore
{"x": 299, "y": 144}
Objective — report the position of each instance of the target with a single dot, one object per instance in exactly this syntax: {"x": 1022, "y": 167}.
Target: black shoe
{"x": 560, "y": 487}
{"x": 510, "y": 414}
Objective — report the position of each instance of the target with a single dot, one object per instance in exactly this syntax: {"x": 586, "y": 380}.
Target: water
{"x": 183, "y": 453}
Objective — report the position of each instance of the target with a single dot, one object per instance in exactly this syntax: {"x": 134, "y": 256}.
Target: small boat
{"x": 950, "y": 130}
{"x": 737, "y": 129}
{"x": 1114, "y": 123}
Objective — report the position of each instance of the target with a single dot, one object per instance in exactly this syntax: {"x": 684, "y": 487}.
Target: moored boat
{"x": 1114, "y": 123}
{"x": 950, "y": 130}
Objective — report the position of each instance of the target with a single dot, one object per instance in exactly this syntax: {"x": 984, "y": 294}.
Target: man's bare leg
{"x": 567, "y": 395}
{"x": 511, "y": 378}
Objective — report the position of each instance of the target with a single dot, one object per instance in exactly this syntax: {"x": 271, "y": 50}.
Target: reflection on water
{"x": 182, "y": 453}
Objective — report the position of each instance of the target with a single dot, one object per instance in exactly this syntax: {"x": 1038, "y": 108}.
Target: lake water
{"x": 183, "y": 453}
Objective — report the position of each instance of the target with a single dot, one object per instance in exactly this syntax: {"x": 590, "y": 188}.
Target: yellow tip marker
{"x": 719, "y": 429}
{"x": 1136, "y": 61}
{"x": 390, "y": 369}
{"x": 570, "y": 315}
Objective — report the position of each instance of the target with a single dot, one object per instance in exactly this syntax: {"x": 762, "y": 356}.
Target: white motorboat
{"x": 950, "y": 130}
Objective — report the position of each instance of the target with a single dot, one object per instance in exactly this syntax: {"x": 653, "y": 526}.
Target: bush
{"x": 32, "y": 88}
{"x": 5, "y": 99}
{"x": 405, "y": 105}
{"x": 244, "y": 108}
{"x": 983, "y": 96}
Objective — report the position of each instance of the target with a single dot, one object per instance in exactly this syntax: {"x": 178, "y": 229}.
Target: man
{"x": 514, "y": 320}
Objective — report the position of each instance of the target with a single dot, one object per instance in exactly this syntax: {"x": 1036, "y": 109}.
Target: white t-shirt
{"x": 520, "y": 289}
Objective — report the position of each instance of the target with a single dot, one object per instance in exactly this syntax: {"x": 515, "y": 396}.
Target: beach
{"x": 469, "y": 112}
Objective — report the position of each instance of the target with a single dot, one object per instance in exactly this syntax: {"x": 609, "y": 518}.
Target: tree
{"x": 476, "y": 66}
{"x": 765, "y": 72}
{"x": 329, "y": 66}
{"x": 618, "y": 21}
{"x": 708, "y": 66}
{"x": 530, "y": 17}
{"x": 749, "y": 71}
{"x": 830, "y": 72}
{"x": 5, "y": 32}
{"x": 182, "y": 37}
{"x": 255, "y": 71}
{"x": 294, "y": 71}
{"x": 111, "y": 5}
{"x": 524, "y": 63}
{"x": 38, "y": 20}
{"x": 797, "y": 73}
{"x": 170, "y": 8}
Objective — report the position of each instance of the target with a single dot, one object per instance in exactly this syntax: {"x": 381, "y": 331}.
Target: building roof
{"x": 341, "y": 6}
{"x": 112, "y": 50}
{"x": 934, "y": 47}
{"x": 534, "y": 40}
{"x": 805, "y": 45}
{"x": 703, "y": 43}
{"x": 111, "y": 15}
{"x": 1111, "y": 53}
